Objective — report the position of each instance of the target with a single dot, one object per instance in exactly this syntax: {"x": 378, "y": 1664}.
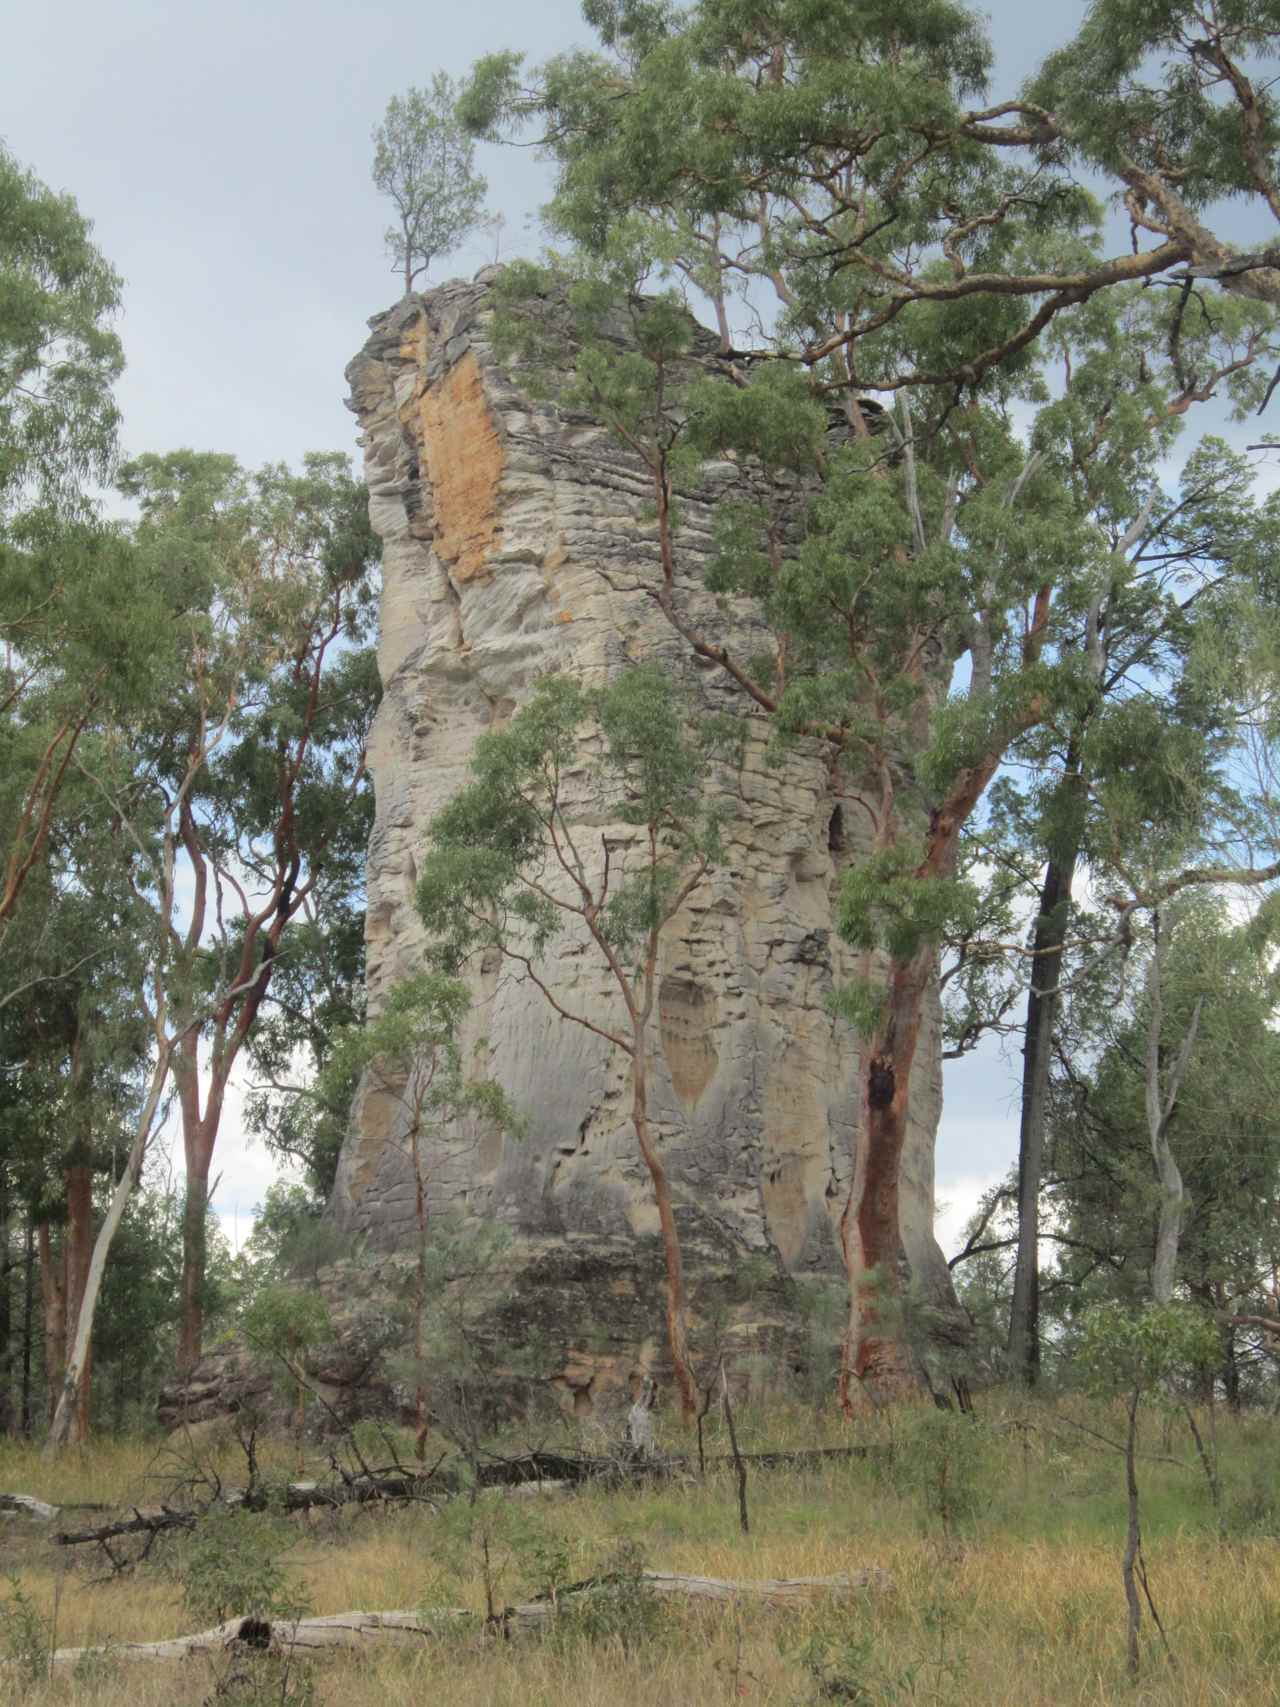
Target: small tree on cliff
{"x": 409, "y": 1054}
{"x": 511, "y": 871}
{"x": 424, "y": 162}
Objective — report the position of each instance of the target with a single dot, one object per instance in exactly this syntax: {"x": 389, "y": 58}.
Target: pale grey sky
{"x": 223, "y": 153}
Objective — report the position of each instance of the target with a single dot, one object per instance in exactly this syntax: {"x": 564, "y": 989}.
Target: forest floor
{"x": 1002, "y": 1536}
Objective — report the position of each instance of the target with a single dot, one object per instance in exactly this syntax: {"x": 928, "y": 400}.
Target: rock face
{"x": 516, "y": 543}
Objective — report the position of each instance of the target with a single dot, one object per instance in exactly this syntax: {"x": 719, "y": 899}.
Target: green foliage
{"x": 946, "y": 537}
{"x": 24, "y": 1634}
{"x": 619, "y": 1610}
{"x": 479, "y": 1353}
{"x": 1254, "y": 1510}
{"x": 287, "y": 1322}
{"x": 1124, "y": 1351}
{"x": 293, "y": 1238}
{"x": 479, "y": 883}
{"x": 842, "y": 1665}
{"x": 884, "y": 903}
{"x": 316, "y": 989}
{"x": 1101, "y": 1180}
{"x": 1140, "y": 85}
{"x": 424, "y": 163}
{"x": 823, "y": 1307}
{"x": 231, "y": 1567}
{"x": 411, "y": 1053}
{"x": 58, "y": 355}
{"x": 513, "y": 1549}
{"x": 940, "y": 1459}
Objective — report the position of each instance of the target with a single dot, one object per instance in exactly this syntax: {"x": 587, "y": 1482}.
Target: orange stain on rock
{"x": 463, "y": 457}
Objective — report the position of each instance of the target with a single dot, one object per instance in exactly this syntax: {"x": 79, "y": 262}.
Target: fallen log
{"x": 29, "y": 1506}
{"x": 546, "y": 1469}
{"x": 359, "y": 1629}
{"x": 570, "y": 1469}
{"x": 141, "y": 1523}
{"x": 805, "y": 1458}
{"x": 574, "y": 1469}
{"x": 296, "y": 1496}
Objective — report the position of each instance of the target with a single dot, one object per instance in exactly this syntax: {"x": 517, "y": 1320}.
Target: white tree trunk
{"x": 64, "y": 1416}
{"x": 1161, "y": 1102}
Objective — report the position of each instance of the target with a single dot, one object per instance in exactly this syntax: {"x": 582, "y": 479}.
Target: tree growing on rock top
{"x": 424, "y": 163}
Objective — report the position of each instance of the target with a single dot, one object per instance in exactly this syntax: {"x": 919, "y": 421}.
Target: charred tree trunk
{"x": 1231, "y": 1372}
{"x": 1133, "y": 1536}
{"x": 1042, "y": 1009}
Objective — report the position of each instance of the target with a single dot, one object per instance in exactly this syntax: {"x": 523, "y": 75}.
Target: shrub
{"x": 231, "y": 1568}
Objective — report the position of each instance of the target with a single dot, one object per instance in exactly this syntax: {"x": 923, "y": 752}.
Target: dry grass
{"x": 1021, "y": 1603}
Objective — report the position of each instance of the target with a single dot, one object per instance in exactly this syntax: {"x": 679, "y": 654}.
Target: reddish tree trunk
{"x": 876, "y": 1353}
{"x": 677, "y": 1329}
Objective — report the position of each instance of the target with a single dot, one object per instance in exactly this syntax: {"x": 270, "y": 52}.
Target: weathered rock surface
{"x": 516, "y": 543}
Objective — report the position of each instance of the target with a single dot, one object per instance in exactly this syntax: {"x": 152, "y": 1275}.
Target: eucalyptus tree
{"x": 883, "y": 229}
{"x": 1199, "y": 1030}
{"x": 295, "y": 1104}
{"x": 237, "y": 793}
{"x": 61, "y": 357}
{"x": 1166, "y": 684}
{"x": 245, "y": 794}
{"x": 510, "y": 870}
{"x": 853, "y": 160}
{"x": 1176, "y": 104}
{"x": 76, "y": 621}
{"x": 876, "y": 565}
{"x": 424, "y": 163}
{"x": 73, "y": 1045}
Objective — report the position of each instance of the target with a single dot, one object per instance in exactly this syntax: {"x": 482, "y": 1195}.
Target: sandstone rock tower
{"x": 516, "y": 543}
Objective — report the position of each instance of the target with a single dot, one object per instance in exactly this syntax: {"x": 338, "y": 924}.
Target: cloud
{"x": 243, "y": 1167}
{"x": 955, "y": 1207}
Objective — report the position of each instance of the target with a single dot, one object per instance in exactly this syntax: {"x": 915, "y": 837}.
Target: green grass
{"x": 1008, "y": 1593}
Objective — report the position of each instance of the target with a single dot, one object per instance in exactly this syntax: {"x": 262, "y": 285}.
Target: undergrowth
{"x": 1001, "y": 1535}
